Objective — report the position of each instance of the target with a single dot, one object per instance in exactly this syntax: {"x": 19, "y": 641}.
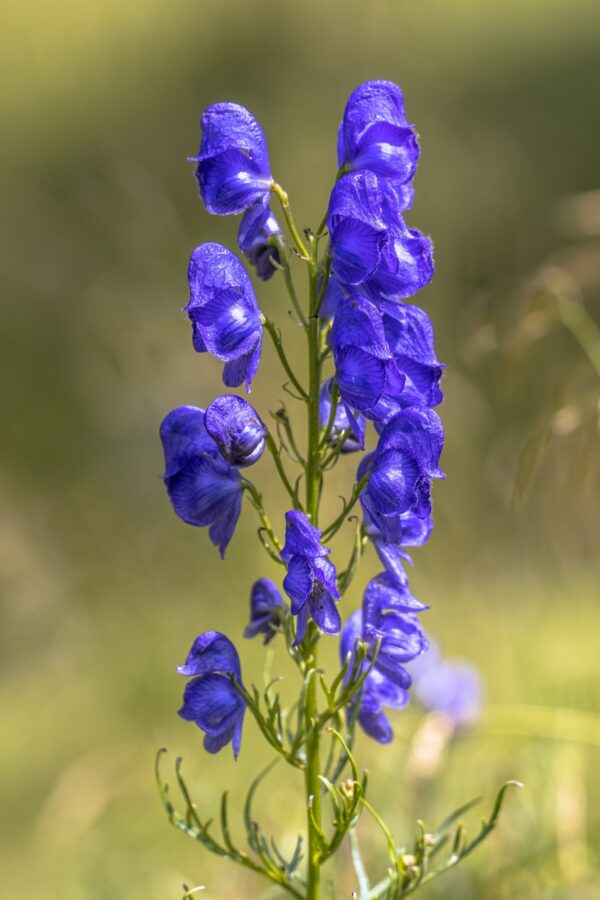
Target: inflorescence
{"x": 371, "y": 358}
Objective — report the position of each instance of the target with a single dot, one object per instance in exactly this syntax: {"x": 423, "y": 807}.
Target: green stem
{"x": 313, "y": 488}
{"x": 285, "y": 205}
{"x": 276, "y": 338}
{"x": 272, "y": 447}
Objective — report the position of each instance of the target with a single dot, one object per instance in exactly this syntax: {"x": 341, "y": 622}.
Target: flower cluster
{"x": 385, "y": 372}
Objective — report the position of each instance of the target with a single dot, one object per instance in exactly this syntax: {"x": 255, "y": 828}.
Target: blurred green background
{"x": 104, "y": 588}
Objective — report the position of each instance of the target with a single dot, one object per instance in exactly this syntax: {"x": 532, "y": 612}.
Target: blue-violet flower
{"x": 310, "y": 582}
{"x": 232, "y": 169}
{"x": 211, "y": 699}
{"x": 203, "y": 489}
{"x": 374, "y": 133}
{"x": 267, "y": 610}
{"x": 226, "y": 320}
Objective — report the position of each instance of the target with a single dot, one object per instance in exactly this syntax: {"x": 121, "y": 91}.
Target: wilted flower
{"x": 236, "y": 429}
{"x": 226, "y": 320}
{"x": 267, "y": 610}
{"x": 204, "y": 490}
{"x": 310, "y": 582}
{"x": 211, "y": 699}
{"x": 232, "y": 169}
{"x": 374, "y": 133}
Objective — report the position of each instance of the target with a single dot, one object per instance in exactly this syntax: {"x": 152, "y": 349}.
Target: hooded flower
{"x": 267, "y": 610}
{"x": 232, "y": 169}
{"x": 364, "y": 368}
{"x": 408, "y": 530}
{"x": 401, "y": 469}
{"x": 225, "y": 317}
{"x": 387, "y": 616}
{"x": 203, "y": 489}
{"x": 236, "y": 429}
{"x": 210, "y": 699}
{"x": 257, "y": 229}
{"x": 375, "y": 135}
{"x": 310, "y": 582}
{"x": 371, "y": 245}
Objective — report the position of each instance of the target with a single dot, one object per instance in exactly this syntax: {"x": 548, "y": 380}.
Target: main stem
{"x": 313, "y": 490}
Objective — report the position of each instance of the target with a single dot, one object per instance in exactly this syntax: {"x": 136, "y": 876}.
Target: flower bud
{"x": 236, "y": 429}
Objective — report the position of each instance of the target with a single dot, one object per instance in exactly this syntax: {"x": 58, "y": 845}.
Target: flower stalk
{"x": 385, "y": 371}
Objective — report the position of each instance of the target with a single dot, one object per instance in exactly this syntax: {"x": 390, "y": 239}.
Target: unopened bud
{"x": 347, "y": 788}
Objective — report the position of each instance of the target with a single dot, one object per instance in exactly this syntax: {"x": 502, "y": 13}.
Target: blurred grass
{"x": 103, "y": 589}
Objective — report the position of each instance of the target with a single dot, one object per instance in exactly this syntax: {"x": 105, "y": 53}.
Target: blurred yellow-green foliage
{"x": 104, "y": 589}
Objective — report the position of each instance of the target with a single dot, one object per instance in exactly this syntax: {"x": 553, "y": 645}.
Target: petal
{"x": 324, "y": 573}
{"x": 376, "y": 725}
{"x": 358, "y": 323}
{"x": 243, "y": 368}
{"x": 391, "y": 151}
{"x": 355, "y": 250}
{"x": 213, "y": 269}
{"x": 298, "y": 582}
{"x": 202, "y": 491}
{"x": 211, "y": 652}
{"x": 230, "y": 182}
{"x": 211, "y": 701}
{"x": 418, "y": 432}
{"x": 184, "y": 436}
{"x": 384, "y": 592}
{"x": 351, "y": 632}
{"x": 226, "y": 126}
{"x": 252, "y": 224}
{"x": 405, "y": 267}
{"x": 360, "y": 376}
{"x": 221, "y": 530}
{"x": 301, "y": 625}
{"x": 230, "y": 326}
{"x": 391, "y": 487}
{"x": 324, "y": 612}
{"x": 301, "y": 537}
{"x": 371, "y": 102}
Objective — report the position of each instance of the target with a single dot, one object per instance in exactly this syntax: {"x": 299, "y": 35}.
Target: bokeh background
{"x": 104, "y": 588}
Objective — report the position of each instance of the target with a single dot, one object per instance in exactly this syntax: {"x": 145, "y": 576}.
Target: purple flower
{"x": 342, "y": 422}
{"x": 451, "y": 687}
{"x": 267, "y": 610}
{"x": 410, "y": 337}
{"x": 310, "y": 582}
{"x": 371, "y": 245}
{"x": 364, "y": 368}
{"x": 236, "y": 429}
{"x": 226, "y": 320}
{"x": 374, "y": 133}
{"x": 210, "y": 699}
{"x": 203, "y": 489}
{"x": 388, "y": 617}
{"x": 232, "y": 169}
{"x": 401, "y": 469}
{"x": 257, "y": 229}
{"x": 378, "y": 691}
